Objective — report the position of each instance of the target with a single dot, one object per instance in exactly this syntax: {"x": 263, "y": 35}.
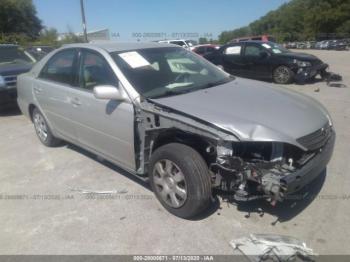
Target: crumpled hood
{"x": 253, "y": 110}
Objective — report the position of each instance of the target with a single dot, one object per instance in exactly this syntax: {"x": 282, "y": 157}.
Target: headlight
{"x": 2, "y": 82}
{"x": 302, "y": 63}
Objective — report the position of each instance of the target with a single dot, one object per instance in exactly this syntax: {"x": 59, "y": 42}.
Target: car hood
{"x": 14, "y": 68}
{"x": 299, "y": 56}
{"x": 253, "y": 110}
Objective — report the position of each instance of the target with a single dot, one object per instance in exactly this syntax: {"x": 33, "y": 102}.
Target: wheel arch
{"x": 195, "y": 141}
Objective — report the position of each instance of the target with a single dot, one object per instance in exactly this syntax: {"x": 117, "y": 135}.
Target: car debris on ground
{"x": 266, "y": 247}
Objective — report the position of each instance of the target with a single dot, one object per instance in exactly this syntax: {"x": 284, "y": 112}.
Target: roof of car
{"x": 119, "y": 47}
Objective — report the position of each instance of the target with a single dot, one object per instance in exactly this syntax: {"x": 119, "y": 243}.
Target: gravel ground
{"x": 43, "y": 211}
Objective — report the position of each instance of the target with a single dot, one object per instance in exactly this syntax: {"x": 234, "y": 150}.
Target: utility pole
{"x": 83, "y": 19}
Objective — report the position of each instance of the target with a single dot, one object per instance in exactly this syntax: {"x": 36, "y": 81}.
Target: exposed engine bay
{"x": 247, "y": 170}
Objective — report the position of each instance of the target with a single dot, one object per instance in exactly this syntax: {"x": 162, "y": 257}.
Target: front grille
{"x": 11, "y": 81}
{"x": 316, "y": 139}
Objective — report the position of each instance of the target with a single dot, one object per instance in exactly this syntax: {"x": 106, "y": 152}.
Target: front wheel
{"x": 180, "y": 180}
{"x": 283, "y": 75}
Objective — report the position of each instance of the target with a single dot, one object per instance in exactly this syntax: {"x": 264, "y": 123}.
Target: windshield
{"x": 162, "y": 72}
{"x": 275, "y": 48}
{"x": 14, "y": 55}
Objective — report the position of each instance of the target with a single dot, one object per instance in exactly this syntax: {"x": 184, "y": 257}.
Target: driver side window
{"x": 253, "y": 50}
{"x": 95, "y": 71}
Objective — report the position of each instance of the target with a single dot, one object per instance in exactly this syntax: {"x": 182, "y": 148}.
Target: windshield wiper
{"x": 170, "y": 93}
{"x": 217, "y": 83}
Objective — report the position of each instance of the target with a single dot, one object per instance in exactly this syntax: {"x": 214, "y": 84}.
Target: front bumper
{"x": 306, "y": 73}
{"x": 310, "y": 171}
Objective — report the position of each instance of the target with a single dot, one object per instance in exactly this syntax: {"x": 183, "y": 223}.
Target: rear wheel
{"x": 43, "y": 130}
{"x": 283, "y": 75}
{"x": 180, "y": 180}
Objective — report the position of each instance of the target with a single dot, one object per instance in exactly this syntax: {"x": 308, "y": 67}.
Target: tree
{"x": 203, "y": 40}
{"x": 299, "y": 20}
{"x": 48, "y": 36}
{"x": 18, "y": 20}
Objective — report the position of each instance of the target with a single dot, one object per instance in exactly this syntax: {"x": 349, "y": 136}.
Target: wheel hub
{"x": 170, "y": 183}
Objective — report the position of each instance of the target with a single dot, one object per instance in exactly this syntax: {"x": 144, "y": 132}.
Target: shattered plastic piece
{"x": 84, "y": 191}
{"x": 264, "y": 247}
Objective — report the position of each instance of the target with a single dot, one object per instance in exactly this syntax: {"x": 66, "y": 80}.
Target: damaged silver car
{"x": 167, "y": 115}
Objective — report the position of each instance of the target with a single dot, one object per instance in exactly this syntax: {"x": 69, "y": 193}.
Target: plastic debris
{"x": 265, "y": 247}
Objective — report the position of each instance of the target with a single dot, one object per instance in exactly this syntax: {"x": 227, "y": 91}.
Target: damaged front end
{"x": 246, "y": 170}
{"x": 271, "y": 170}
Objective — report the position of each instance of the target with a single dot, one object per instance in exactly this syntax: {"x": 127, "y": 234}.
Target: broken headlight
{"x": 302, "y": 63}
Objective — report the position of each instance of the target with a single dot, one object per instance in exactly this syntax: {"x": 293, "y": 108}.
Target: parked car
{"x": 169, "y": 116}
{"x": 205, "y": 49}
{"x": 39, "y": 51}
{"x": 318, "y": 45}
{"x": 325, "y": 45}
{"x": 337, "y": 45}
{"x": 187, "y": 44}
{"x": 13, "y": 61}
{"x": 261, "y": 60}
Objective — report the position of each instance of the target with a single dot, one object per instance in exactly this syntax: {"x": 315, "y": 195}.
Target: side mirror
{"x": 109, "y": 92}
{"x": 263, "y": 54}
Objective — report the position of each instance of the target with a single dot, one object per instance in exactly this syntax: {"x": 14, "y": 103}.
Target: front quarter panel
{"x": 25, "y": 95}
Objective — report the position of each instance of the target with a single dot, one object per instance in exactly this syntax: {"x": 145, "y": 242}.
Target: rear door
{"x": 104, "y": 126}
{"x": 52, "y": 90}
{"x": 232, "y": 59}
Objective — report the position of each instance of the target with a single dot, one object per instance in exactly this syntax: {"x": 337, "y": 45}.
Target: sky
{"x": 130, "y": 20}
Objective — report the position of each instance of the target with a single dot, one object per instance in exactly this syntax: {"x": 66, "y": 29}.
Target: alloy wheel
{"x": 282, "y": 74}
{"x": 170, "y": 183}
{"x": 40, "y": 127}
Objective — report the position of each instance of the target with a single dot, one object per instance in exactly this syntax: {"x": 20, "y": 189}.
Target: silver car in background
{"x": 167, "y": 115}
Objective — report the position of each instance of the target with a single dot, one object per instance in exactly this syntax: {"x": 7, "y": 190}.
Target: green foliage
{"x": 203, "y": 40}
{"x": 299, "y": 20}
{"x": 18, "y": 21}
{"x": 48, "y": 36}
{"x": 71, "y": 38}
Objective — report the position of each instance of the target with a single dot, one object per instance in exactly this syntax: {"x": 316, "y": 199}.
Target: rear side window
{"x": 60, "y": 68}
{"x": 233, "y": 50}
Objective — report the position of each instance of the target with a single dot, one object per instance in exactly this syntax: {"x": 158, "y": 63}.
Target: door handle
{"x": 38, "y": 90}
{"x": 75, "y": 102}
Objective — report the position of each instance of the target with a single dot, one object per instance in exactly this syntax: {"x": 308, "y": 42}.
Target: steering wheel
{"x": 183, "y": 77}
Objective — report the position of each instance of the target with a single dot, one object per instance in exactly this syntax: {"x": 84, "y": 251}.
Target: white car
{"x": 187, "y": 44}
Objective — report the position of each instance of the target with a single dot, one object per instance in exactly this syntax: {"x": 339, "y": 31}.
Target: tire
{"x": 283, "y": 75}
{"x": 43, "y": 130}
{"x": 179, "y": 172}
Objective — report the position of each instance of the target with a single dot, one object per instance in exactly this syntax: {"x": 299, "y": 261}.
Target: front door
{"x": 256, "y": 61}
{"x": 105, "y": 126}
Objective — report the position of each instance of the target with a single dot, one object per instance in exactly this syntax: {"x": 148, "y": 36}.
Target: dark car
{"x": 337, "y": 45}
{"x": 13, "y": 61}
{"x": 203, "y": 50}
{"x": 267, "y": 60}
